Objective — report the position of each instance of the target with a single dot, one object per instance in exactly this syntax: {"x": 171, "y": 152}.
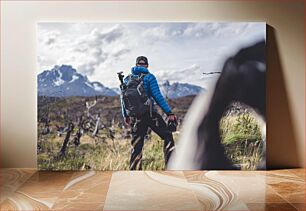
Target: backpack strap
{"x": 142, "y": 75}
{"x": 128, "y": 78}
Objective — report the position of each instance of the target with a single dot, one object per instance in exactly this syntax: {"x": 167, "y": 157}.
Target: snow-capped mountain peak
{"x": 64, "y": 80}
{"x": 176, "y": 89}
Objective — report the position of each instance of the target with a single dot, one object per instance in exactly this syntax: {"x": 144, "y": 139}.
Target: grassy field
{"x": 240, "y": 135}
{"x": 242, "y": 139}
{"x": 99, "y": 154}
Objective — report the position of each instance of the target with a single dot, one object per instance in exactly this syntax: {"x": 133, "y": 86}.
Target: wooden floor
{"x": 29, "y": 189}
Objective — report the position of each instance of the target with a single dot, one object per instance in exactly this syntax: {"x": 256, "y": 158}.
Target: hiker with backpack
{"x": 139, "y": 91}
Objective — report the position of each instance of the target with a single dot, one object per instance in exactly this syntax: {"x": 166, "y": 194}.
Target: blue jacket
{"x": 151, "y": 88}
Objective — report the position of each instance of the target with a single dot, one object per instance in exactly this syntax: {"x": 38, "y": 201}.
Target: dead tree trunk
{"x": 77, "y": 138}
{"x": 69, "y": 131}
{"x": 97, "y": 126}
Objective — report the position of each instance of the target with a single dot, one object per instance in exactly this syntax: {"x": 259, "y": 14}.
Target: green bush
{"x": 242, "y": 139}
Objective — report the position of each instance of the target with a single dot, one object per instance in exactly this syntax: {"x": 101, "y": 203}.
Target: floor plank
{"x": 85, "y": 191}
{"x": 29, "y": 189}
{"x": 139, "y": 190}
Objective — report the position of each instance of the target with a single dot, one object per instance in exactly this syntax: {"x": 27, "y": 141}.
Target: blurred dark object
{"x": 243, "y": 79}
{"x": 172, "y": 124}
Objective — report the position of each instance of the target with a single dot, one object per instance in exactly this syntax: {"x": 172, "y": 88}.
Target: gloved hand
{"x": 171, "y": 122}
{"x": 172, "y": 117}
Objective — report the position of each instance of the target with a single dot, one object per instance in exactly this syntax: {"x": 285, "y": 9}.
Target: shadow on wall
{"x": 281, "y": 141}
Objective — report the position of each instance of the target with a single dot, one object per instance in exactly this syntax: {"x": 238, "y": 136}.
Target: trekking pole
{"x": 121, "y": 76}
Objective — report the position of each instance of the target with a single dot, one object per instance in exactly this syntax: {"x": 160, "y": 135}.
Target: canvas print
{"x": 151, "y": 96}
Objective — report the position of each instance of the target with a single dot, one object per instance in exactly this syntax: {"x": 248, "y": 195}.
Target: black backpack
{"x": 135, "y": 99}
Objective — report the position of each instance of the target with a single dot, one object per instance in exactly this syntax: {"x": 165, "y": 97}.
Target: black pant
{"x": 139, "y": 130}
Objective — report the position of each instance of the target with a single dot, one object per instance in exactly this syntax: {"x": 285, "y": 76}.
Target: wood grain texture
{"x": 28, "y": 189}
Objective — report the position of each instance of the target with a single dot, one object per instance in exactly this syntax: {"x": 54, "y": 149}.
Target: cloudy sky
{"x": 176, "y": 51}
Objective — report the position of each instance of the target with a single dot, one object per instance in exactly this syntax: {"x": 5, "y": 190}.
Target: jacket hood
{"x": 139, "y": 69}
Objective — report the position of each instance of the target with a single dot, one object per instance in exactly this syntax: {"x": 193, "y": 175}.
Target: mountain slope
{"x": 63, "y": 81}
{"x": 176, "y": 90}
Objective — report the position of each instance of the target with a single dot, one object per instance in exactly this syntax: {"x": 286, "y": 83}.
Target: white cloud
{"x": 206, "y": 30}
{"x": 183, "y": 75}
{"x": 86, "y": 52}
{"x": 50, "y": 37}
{"x": 156, "y": 33}
{"x": 199, "y": 30}
{"x": 176, "y": 51}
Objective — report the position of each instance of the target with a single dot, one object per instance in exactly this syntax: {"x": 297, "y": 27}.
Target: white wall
{"x": 18, "y": 61}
